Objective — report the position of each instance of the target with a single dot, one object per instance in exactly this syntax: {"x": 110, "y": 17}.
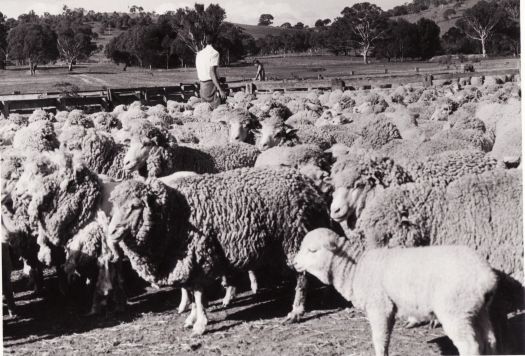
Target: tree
{"x": 3, "y": 41}
{"x": 74, "y": 41}
{"x": 286, "y": 25}
{"x": 367, "y": 22}
{"x": 429, "y": 41}
{"x": 265, "y": 20}
{"x": 479, "y": 22}
{"x": 455, "y": 41}
{"x": 322, "y": 23}
{"x": 447, "y": 14}
{"x": 509, "y": 26}
{"x": 299, "y": 26}
{"x": 34, "y": 43}
{"x": 401, "y": 40}
{"x": 340, "y": 37}
{"x": 191, "y": 25}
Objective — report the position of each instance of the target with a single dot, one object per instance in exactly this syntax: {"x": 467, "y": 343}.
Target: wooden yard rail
{"x": 109, "y": 98}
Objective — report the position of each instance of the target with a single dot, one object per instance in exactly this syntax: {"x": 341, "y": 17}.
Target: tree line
{"x": 172, "y": 39}
{"x": 365, "y": 29}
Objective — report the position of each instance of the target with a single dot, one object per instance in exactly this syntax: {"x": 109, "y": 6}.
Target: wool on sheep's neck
{"x": 343, "y": 268}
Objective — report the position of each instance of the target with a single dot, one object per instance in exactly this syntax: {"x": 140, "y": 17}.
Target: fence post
{"x": 337, "y": 84}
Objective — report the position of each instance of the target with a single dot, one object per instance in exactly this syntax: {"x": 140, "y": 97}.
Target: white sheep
{"x": 451, "y": 283}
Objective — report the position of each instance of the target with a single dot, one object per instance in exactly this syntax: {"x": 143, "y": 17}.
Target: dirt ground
{"x": 252, "y": 325}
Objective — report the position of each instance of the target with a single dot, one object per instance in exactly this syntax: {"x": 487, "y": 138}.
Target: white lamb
{"x": 450, "y": 283}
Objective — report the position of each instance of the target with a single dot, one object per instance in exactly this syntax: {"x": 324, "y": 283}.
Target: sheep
{"x": 225, "y": 241}
{"x": 104, "y": 121}
{"x": 358, "y": 180}
{"x": 415, "y": 282}
{"x": 97, "y": 150}
{"x": 507, "y": 146}
{"x": 294, "y": 157}
{"x": 18, "y": 119}
{"x": 210, "y": 133}
{"x": 304, "y": 117}
{"x": 156, "y": 156}
{"x": 7, "y": 133}
{"x": 482, "y": 211}
{"x": 475, "y": 138}
{"x": 241, "y": 127}
{"x": 274, "y": 132}
{"x": 38, "y": 136}
{"x": 39, "y": 115}
{"x": 377, "y": 133}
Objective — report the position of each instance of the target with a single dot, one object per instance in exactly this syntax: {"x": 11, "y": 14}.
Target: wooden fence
{"x": 105, "y": 100}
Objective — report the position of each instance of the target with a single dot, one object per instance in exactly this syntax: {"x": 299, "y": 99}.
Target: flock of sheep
{"x": 292, "y": 183}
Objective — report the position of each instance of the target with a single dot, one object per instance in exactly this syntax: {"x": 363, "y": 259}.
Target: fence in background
{"x": 105, "y": 100}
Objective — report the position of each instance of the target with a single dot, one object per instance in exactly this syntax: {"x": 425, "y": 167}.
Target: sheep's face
{"x": 316, "y": 254}
{"x": 127, "y": 219}
{"x": 320, "y": 178}
{"x": 349, "y": 201}
{"x": 272, "y": 135}
{"x": 238, "y": 131}
{"x": 137, "y": 155}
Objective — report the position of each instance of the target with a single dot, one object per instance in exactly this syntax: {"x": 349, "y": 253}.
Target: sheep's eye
{"x": 358, "y": 184}
{"x": 135, "y": 206}
{"x": 312, "y": 250}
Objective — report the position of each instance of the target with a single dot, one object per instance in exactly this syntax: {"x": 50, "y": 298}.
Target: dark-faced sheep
{"x": 206, "y": 226}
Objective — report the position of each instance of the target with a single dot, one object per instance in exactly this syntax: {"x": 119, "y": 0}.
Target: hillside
{"x": 262, "y": 31}
{"x": 436, "y": 14}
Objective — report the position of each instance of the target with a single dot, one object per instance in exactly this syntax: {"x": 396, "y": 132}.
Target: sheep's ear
{"x": 290, "y": 131}
{"x": 327, "y": 184}
{"x": 256, "y": 131}
{"x": 329, "y": 150}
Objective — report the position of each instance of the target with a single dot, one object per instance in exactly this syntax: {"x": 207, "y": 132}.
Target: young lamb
{"x": 451, "y": 283}
{"x": 155, "y": 226}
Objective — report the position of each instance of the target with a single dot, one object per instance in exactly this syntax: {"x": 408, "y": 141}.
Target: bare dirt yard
{"x": 99, "y": 76}
{"x": 251, "y": 326}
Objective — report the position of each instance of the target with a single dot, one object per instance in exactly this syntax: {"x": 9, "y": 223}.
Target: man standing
{"x": 206, "y": 62}
{"x": 261, "y": 75}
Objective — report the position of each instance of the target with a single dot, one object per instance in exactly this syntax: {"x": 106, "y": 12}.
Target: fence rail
{"x": 107, "y": 99}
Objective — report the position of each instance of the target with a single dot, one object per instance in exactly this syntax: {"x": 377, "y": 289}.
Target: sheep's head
{"x": 135, "y": 207}
{"x": 359, "y": 183}
{"x": 144, "y": 139}
{"x": 318, "y": 252}
{"x": 241, "y": 124}
{"x": 274, "y": 132}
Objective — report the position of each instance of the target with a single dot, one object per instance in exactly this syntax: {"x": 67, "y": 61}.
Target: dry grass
{"x": 98, "y": 76}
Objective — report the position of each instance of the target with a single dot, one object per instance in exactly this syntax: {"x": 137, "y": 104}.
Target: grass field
{"x": 108, "y": 75}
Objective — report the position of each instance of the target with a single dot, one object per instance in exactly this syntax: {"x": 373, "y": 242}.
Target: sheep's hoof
{"x": 434, "y": 324}
{"x": 226, "y": 302}
{"x": 198, "y": 329}
{"x": 182, "y": 308}
{"x": 292, "y": 318}
{"x": 411, "y": 324}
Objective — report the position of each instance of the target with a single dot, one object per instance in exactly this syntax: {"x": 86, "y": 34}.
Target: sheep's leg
{"x": 462, "y": 334}
{"x": 381, "y": 322}
{"x": 299, "y": 299}
{"x": 201, "y": 321}
{"x": 486, "y": 331}
{"x": 190, "y": 320}
{"x": 184, "y": 301}
{"x": 230, "y": 294}
{"x": 253, "y": 281}
{"x": 6, "y": 281}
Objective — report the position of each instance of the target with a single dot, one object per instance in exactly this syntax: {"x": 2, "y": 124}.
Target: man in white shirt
{"x": 206, "y": 62}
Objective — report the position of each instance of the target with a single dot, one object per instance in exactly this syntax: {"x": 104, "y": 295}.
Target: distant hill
{"x": 436, "y": 14}
{"x": 263, "y": 31}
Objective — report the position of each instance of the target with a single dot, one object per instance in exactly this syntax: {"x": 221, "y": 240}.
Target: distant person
{"x": 206, "y": 62}
{"x": 261, "y": 74}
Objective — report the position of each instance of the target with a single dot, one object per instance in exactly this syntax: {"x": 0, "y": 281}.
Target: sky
{"x": 238, "y": 11}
